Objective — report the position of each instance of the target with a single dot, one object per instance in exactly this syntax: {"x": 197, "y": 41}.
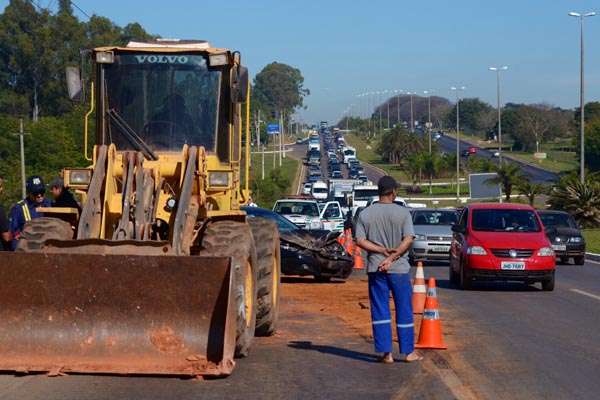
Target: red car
{"x": 472, "y": 150}
{"x": 501, "y": 242}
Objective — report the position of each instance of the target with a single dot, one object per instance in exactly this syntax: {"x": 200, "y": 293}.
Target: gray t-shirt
{"x": 385, "y": 224}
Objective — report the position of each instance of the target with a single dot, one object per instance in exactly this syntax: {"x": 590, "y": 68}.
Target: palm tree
{"x": 582, "y": 200}
{"x": 507, "y": 176}
{"x": 530, "y": 190}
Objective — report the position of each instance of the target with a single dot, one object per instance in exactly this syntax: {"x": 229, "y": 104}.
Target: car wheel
{"x": 564, "y": 260}
{"x": 464, "y": 278}
{"x": 579, "y": 260}
{"x": 548, "y": 284}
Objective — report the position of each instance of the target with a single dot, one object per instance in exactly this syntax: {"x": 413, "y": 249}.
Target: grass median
{"x": 592, "y": 240}
{"x": 278, "y": 181}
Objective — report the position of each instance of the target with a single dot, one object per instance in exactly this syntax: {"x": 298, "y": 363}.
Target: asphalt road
{"x": 537, "y": 175}
{"x": 519, "y": 342}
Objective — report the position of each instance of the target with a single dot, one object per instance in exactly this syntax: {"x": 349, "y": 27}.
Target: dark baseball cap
{"x": 386, "y": 185}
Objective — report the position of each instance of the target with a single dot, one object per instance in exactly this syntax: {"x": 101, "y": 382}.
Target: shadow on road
{"x": 336, "y": 351}
{"x": 490, "y": 286}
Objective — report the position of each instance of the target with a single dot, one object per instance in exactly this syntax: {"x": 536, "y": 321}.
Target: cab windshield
{"x": 309, "y": 209}
{"x": 168, "y": 100}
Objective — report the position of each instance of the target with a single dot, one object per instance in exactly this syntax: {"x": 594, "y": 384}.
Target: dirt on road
{"x": 349, "y": 301}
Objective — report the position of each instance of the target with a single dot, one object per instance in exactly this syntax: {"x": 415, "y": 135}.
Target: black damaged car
{"x": 308, "y": 252}
{"x": 564, "y": 235}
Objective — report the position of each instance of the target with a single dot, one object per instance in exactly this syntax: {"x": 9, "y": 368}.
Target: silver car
{"x": 433, "y": 234}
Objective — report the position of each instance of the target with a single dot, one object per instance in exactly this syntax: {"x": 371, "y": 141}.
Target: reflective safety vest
{"x": 25, "y": 208}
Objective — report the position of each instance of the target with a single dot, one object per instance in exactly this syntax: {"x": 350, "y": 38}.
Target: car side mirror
{"x": 74, "y": 85}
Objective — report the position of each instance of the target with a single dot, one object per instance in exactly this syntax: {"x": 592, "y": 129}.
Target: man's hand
{"x": 386, "y": 264}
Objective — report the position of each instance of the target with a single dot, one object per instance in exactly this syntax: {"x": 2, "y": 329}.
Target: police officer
{"x": 26, "y": 209}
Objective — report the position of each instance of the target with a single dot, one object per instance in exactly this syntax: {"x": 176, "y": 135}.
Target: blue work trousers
{"x": 380, "y": 285}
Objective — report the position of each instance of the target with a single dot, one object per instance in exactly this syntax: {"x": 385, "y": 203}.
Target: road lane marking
{"x": 593, "y": 296}
{"x": 592, "y": 261}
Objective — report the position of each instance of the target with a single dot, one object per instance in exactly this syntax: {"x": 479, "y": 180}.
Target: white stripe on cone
{"x": 419, "y": 289}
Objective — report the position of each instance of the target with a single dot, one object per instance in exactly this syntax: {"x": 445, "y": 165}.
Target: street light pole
{"x": 497, "y": 70}
{"x": 457, "y": 89}
{"x": 21, "y": 135}
{"x": 581, "y": 17}
{"x": 428, "y": 94}
{"x": 398, "y": 105}
{"x": 412, "y": 121}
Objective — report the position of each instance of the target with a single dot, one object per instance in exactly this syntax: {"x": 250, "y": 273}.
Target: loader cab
{"x": 167, "y": 95}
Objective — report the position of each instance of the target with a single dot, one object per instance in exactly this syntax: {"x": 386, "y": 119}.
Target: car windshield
{"x": 167, "y": 99}
{"x": 297, "y": 207}
{"x": 505, "y": 220}
{"x": 558, "y": 220}
{"x": 434, "y": 217}
{"x": 365, "y": 194}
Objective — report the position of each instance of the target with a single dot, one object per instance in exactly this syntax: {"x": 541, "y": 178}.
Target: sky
{"x": 344, "y": 48}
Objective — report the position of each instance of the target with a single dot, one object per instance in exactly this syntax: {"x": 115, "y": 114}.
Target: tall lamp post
{"x": 581, "y": 17}
{"x": 412, "y": 118}
{"x": 428, "y": 94}
{"x": 498, "y": 70}
{"x": 458, "y": 89}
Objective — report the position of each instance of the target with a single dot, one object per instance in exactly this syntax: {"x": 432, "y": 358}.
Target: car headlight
{"x": 315, "y": 224}
{"x": 576, "y": 239}
{"x": 476, "y": 251}
{"x": 420, "y": 237}
{"x": 545, "y": 252}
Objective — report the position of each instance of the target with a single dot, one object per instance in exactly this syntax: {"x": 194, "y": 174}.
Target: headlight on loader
{"x": 77, "y": 178}
{"x": 218, "y": 179}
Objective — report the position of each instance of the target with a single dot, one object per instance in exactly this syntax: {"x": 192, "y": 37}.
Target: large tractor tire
{"x": 37, "y": 231}
{"x": 234, "y": 239}
{"x": 266, "y": 239}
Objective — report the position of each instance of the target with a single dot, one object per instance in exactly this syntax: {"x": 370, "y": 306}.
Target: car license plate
{"x": 440, "y": 249}
{"x": 512, "y": 265}
{"x": 559, "y": 247}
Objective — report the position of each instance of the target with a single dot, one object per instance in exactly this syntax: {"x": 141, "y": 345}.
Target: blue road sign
{"x": 273, "y": 129}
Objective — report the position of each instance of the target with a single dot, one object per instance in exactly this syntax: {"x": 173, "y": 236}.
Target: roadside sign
{"x": 273, "y": 129}
{"x": 540, "y": 156}
{"x": 480, "y": 186}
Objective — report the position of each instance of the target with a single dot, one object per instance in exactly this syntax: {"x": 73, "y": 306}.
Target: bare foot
{"x": 386, "y": 358}
{"x": 412, "y": 357}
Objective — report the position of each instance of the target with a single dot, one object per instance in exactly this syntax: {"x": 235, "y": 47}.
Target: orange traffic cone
{"x": 359, "y": 262}
{"x": 430, "y": 334}
{"x": 349, "y": 242}
{"x": 419, "y": 290}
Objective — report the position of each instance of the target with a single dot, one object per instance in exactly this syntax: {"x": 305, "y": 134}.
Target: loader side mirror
{"x": 74, "y": 84}
{"x": 242, "y": 84}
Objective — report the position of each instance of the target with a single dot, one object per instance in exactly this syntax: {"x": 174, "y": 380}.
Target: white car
{"x": 302, "y": 212}
{"x": 320, "y": 191}
{"x": 307, "y": 188}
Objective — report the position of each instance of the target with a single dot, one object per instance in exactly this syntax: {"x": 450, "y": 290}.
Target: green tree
{"x": 279, "y": 87}
{"x": 475, "y": 116}
{"x": 581, "y": 200}
{"x": 592, "y": 145}
{"x": 507, "y": 176}
{"x": 530, "y": 190}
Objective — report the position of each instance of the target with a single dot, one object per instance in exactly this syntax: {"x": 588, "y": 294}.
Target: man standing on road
{"x": 26, "y": 209}
{"x": 5, "y": 236}
{"x": 385, "y": 231}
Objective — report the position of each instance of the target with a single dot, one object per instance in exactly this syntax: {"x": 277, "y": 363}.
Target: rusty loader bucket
{"x": 62, "y": 313}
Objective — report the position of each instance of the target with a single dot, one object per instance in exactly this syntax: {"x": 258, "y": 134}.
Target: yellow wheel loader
{"x": 161, "y": 273}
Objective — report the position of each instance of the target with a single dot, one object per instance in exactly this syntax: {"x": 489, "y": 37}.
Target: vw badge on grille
{"x": 512, "y": 253}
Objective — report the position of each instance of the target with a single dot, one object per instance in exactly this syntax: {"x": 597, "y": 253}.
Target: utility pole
{"x": 388, "y": 113}
{"x": 21, "y": 135}
{"x": 280, "y": 138}
{"x": 581, "y": 93}
{"x": 412, "y": 120}
{"x": 259, "y": 147}
{"x": 456, "y": 89}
